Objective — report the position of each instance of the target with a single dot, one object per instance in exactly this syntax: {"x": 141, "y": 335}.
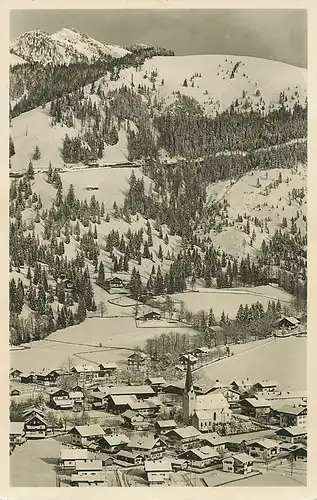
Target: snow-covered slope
{"x": 63, "y": 47}
{"x": 14, "y": 60}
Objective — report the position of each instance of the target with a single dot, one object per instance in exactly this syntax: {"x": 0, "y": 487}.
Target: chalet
{"x": 62, "y": 403}
{"x": 151, "y": 315}
{"x": 88, "y": 466}
{"x": 137, "y": 359}
{"x": 92, "y": 188}
{"x": 241, "y": 463}
{"x": 130, "y": 458}
{"x": 158, "y": 472}
{"x": 35, "y": 426}
{"x": 57, "y": 394}
{"x": 78, "y": 387}
{"x": 133, "y": 420}
{"x": 47, "y": 377}
{"x": 265, "y": 386}
{"x": 263, "y": 449}
{"x": 107, "y": 369}
{"x": 69, "y": 457}
{"x": 15, "y": 392}
{"x": 77, "y": 398}
{"x": 185, "y": 358}
{"x": 99, "y": 400}
{"x": 31, "y": 412}
{"x": 255, "y": 407}
{"x": 292, "y": 435}
{"x": 82, "y": 435}
{"x": 149, "y": 447}
{"x": 113, "y": 444}
{"x": 27, "y": 378}
{"x": 292, "y": 415}
{"x": 164, "y": 426}
{"x": 146, "y": 408}
{"x": 202, "y": 457}
{"x": 85, "y": 371}
{"x": 288, "y": 322}
{"x": 115, "y": 282}
{"x": 214, "y": 440}
{"x": 201, "y": 352}
{"x": 119, "y": 404}
{"x": 15, "y": 374}
{"x": 17, "y": 433}
{"x": 184, "y": 437}
{"x": 241, "y": 386}
{"x": 87, "y": 479}
{"x": 156, "y": 383}
{"x": 206, "y": 386}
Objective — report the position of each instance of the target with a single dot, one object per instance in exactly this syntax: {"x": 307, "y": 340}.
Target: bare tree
{"x": 102, "y": 308}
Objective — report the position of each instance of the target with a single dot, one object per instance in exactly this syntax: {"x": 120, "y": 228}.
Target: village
{"x": 106, "y": 429}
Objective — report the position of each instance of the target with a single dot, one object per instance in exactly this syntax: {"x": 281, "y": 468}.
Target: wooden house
{"x": 82, "y": 435}
{"x": 255, "y": 407}
{"x": 265, "y": 386}
{"x": 295, "y": 434}
{"x": 113, "y": 444}
{"x": 292, "y": 415}
{"x": 15, "y": 374}
{"x": 69, "y": 457}
{"x": 164, "y": 426}
{"x": 202, "y": 457}
{"x": 47, "y": 377}
{"x": 150, "y": 448}
{"x": 129, "y": 457}
{"x": 107, "y": 369}
{"x": 158, "y": 472}
{"x": 137, "y": 359}
{"x": 88, "y": 466}
{"x": 185, "y": 358}
{"x": 35, "y": 426}
{"x": 151, "y": 315}
{"x": 263, "y": 449}
{"x": 156, "y": 383}
{"x": 17, "y": 433}
{"x": 87, "y": 479}
{"x": 184, "y": 437}
{"x": 133, "y": 420}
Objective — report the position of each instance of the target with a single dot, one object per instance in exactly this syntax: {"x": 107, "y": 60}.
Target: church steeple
{"x": 189, "y": 397}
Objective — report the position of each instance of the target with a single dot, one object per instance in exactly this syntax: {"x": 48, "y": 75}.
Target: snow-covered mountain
{"x": 63, "y": 47}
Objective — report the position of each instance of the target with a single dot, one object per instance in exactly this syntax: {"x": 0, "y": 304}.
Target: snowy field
{"x": 282, "y": 360}
{"x": 229, "y": 300}
{"x": 115, "y": 332}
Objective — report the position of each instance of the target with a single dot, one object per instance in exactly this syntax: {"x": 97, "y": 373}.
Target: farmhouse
{"x": 156, "y": 383}
{"x": 27, "y": 378}
{"x": 292, "y": 435}
{"x": 63, "y": 404}
{"x": 287, "y": 322}
{"x": 133, "y": 420}
{"x": 255, "y": 407}
{"x": 113, "y": 444}
{"x": 201, "y": 457}
{"x": 15, "y": 374}
{"x": 85, "y": 371}
{"x": 241, "y": 386}
{"x": 163, "y": 426}
{"x": 35, "y": 426}
{"x": 145, "y": 408}
{"x": 57, "y": 394}
{"x": 119, "y": 404}
{"x": 47, "y": 377}
{"x": 130, "y": 457}
{"x": 184, "y": 437}
{"x": 150, "y": 447}
{"x": 151, "y": 315}
{"x": 115, "y": 282}
{"x": 99, "y": 400}
{"x": 263, "y": 448}
{"x": 137, "y": 359}
{"x": 77, "y": 398}
{"x": 82, "y": 435}
{"x": 201, "y": 352}
{"x": 17, "y": 433}
{"x": 265, "y": 385}
{"x": 158, "y": 472}
{"x": 241, "y": 463}
{"x": 214, "y": 440}
{"x": 32, "y": 411}
{"x": 300, "y": 453}
{"x": 107, "y": 369}
{"x": 69, "y": 457}
{"x": 292, "y": 415}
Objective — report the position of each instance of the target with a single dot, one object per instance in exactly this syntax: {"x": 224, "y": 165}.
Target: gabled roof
{"x": 88, "y": 430}
{"x": 138, "y": 354}
{"x": 29, "y": 418}
{"x": 16, "y": 428}
{"x": 214, "y": 439}
{"x": 74, "y": 454}
{"x": 146, "y": 443}
{"x": 106, "y": 366}
{"x": 185, "y": 432}
{"x": 189, "y": 357}
{"x": 63, "y": 402}
{"x": 292, "y": 410}
{"x": 84, "y": 368}
{"x": 290, "y": 319}
{"x": 123, "y": 400}
{"x": 130, "y": 390}
{"x": 158, "y": 466}
{"x": 211, "y": 402}
{"x": 116, "y": 440}
{"x": 266, "y": 383}
{"x": 296, "y": 430}
{"x": 203, "y": 453}
{"x": 142, "y": 405}
{"x": 76, "y": 394}
{"x": 243, "y": 458}
{"x": 264, "y": 443}
{"x": 256, "y": 402}
{"x": 156, "y": 380}
{"x": 128, "y": 454}
{"x": 130, "y": 414}
{"x": 166, "y": 423}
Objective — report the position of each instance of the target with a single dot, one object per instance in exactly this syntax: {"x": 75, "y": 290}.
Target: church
{"x": 202, "y": 412}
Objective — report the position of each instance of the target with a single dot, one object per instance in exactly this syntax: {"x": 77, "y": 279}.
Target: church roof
{"x": 211, "y": 402}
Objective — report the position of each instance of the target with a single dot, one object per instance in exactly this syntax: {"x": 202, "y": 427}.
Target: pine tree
{"x": 30, "y": 171}
{"x": 37, "y": 153}
{"x": 160, "y": 253}
{"x": 11, "y": 147}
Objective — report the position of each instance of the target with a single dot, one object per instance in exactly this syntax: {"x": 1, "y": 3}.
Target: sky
{"x": 279, "y": 34}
